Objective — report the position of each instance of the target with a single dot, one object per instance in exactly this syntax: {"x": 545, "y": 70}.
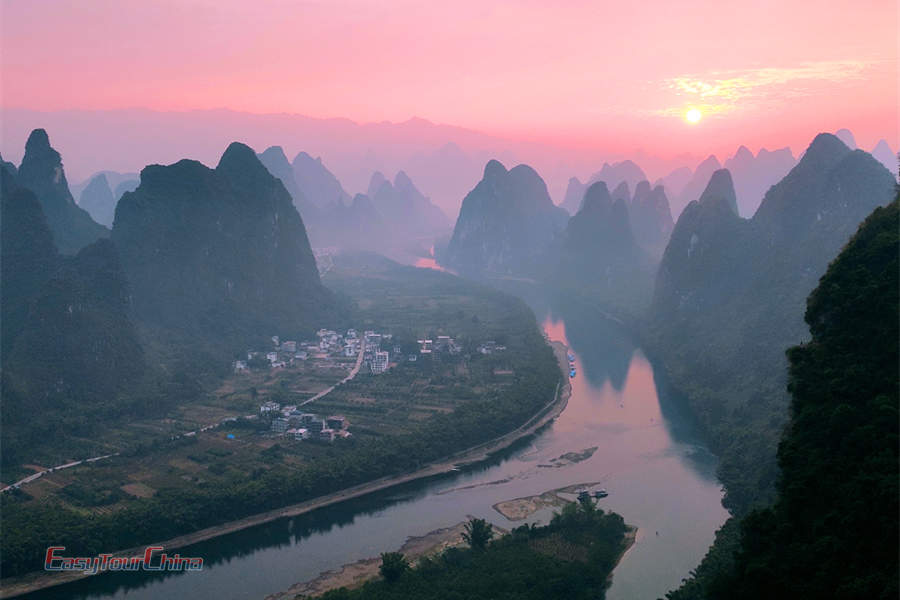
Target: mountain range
{"x": 613, "y": 175}
{"x": 42, "y": 172}
{"x": 505, "y": 225}
{"x": 201, "y": 263}
{"x": 69, "y": 347}
{"x": 730, "y": 292}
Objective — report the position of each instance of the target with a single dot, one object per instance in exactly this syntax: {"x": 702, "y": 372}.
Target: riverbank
{"x": 39, "y": 580}
{"x": 355, "y": 574}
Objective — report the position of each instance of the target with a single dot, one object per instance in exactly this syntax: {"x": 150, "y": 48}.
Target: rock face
{"x": 219, "y": 253}
{"x": 598, "y": 255}
{"x": 651, "y": 219}
{"x": 98, "y": 200}
{"x": 42, "y": 172}
{"x": 404, "y": 208}
{"x": 695, "y": 271}
{"x": 844, "y": 387}
{"x": 730, "y": 295}
{"x": 319, "y": 185}
{"x": 695, "y": 186}
{"x": 505, "y": 224}
{"x": 29, "y": 255}
{"x": 68, "y": 345}
{"x": 754, "y": 175}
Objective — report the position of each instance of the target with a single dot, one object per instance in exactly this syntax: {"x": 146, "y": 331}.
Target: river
{"x": 659, "y": 476}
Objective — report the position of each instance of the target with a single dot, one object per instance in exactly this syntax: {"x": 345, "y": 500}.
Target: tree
{"x": 393, "y": 565}
{"x": 478, "y": 533}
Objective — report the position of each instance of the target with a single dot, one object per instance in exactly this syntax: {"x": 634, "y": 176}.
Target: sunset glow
{"x": 523, "y": 70}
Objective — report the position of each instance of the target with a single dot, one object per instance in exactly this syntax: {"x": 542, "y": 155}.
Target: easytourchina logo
{"x": 153, "y": 559}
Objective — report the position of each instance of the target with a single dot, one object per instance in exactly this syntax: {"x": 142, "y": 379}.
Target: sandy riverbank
{"x": 355, "y": 574}
{"x": 34, "y": 581}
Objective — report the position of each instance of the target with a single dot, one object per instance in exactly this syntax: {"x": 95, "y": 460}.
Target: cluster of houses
{"x": 443, "y": 343}
{"x": 490, "y": 348}
{"x": 287, "y": 353}
{"x": 376, "y": 359}
{"x": 292, "y": 423}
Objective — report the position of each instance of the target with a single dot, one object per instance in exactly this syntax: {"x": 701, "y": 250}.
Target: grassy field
{"x": 409, "y": 303}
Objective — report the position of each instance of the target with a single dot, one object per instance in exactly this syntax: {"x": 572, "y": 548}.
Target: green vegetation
{"x": 570, "y": 558}
{"x": 393, "y": 565}
{"x": 729, "y": 299}
{"x": 832, "y": 533}
{"x": 204, "y": 480}
{"x": 478, "y": 533}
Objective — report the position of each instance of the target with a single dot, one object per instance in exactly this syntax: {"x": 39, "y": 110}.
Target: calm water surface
{"x": 660, "y": 478}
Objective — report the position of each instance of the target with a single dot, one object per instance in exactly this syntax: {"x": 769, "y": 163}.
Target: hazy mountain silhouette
{"x": 622, "y": 192}
{"x": 505, "y": 224}
{"x": 598, "y": 257}
{"x": 274, "y": 159}
{"x": 651, "y": 218}
{"x": 127, "y": 185}
{"x": 404, "y": 208}
{"x": 846, "y": 136}
{"x": 98, "y": 200}
{"x": 695, "y": 185}
{"x": 220, "y": 254}
{"x": 42, "y": 172}
{"x": 614, "y": 175}
{"x": 675, "y": 181}
{"x": 883, "y": 154}
{"x": 116, "y": 180}
{"x": 754, "y": 175}
{"x": 317, "y": 183}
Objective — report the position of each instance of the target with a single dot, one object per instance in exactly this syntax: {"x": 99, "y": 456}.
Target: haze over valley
{"x": 449, "y": 301}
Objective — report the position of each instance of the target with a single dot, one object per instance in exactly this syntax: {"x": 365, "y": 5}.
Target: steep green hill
{"x": 832, "y": 532}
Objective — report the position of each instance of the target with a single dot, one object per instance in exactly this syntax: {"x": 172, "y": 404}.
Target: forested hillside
{"x": 832, "y": 533}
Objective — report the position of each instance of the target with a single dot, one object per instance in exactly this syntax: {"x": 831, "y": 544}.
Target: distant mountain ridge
{"x": 506, "y": 223}
{"x": 729, "y": 297}
{"x": 42, "y": 172}
{"x": 614, "y": 175}
{"x": 97, "y": 198}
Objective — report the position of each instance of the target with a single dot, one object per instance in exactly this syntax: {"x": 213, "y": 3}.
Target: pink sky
{"x": 617, "y": 75}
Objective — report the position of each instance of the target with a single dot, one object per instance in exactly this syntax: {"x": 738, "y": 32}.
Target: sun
{"x": 693, "y": 115}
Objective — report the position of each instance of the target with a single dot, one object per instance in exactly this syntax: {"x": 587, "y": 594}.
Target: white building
{"x": 380, "y": 362}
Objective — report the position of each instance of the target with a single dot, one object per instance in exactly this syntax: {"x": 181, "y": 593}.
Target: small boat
{"x": 584, "y": 495}
{"x": 571, "y": 357}
{"x": 601, "y": 494}
{"x": 572, "y": 373}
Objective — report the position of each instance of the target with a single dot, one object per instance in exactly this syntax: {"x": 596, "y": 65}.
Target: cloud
{"x": 719, "y": 92}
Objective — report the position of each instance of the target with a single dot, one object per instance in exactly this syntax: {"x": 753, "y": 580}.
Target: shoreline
{"x": 34, "y": 581}
{"x": 355, "y": 574}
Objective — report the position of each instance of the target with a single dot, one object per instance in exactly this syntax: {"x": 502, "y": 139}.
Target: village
{"x": 375, "y": 354}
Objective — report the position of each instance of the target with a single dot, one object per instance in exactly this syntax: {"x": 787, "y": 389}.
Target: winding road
{"x": 39, "y": 474}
